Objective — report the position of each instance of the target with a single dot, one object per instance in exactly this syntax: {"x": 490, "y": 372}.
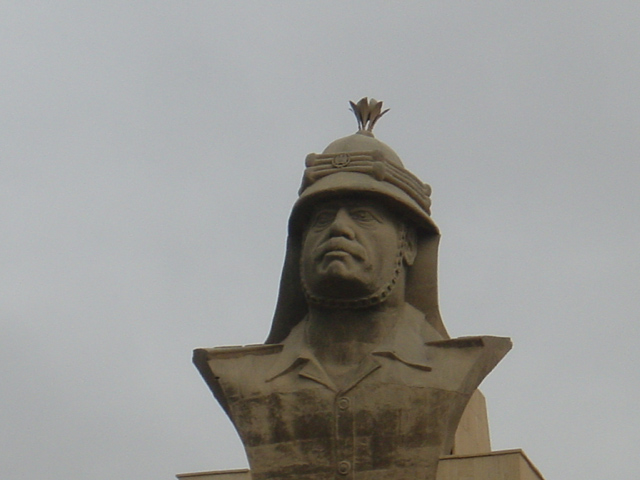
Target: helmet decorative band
{"x": 372, "y": 163}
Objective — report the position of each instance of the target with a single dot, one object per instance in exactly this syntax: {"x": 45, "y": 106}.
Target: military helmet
{"x": 361, "y": 164}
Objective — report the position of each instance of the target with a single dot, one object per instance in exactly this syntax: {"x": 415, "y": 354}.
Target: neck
{"x": 343, "y": 337}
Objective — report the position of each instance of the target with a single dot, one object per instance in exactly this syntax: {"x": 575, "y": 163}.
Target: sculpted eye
{"x": 362, "y": 215}
{"x": 324, "y": 218}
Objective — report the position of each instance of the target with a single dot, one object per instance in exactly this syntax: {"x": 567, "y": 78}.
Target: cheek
{"x": 386, "y": 240}
{"x": 304, "y": 253}
{"x": 309, "y": 244}
{"x": 384, "y": 249}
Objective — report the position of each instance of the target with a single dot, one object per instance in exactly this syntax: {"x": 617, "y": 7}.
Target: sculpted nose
{"x": 342, "y": 225}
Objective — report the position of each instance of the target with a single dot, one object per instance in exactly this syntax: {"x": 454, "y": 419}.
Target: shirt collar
{"x": 405, "y": 343}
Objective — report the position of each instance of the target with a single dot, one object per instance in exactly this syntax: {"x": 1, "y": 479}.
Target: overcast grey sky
{"x": 150, "y": 153}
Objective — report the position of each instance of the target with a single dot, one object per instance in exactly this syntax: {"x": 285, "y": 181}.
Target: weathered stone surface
{"x": 358, "y": 378}
{"x": 393, "y": 420}
{"x": 501, "y": 465}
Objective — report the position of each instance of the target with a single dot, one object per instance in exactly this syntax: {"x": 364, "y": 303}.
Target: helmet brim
{"x": 349, "y": 184}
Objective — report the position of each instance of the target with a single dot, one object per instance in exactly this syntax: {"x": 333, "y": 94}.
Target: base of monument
{"x": 503, "y": 464}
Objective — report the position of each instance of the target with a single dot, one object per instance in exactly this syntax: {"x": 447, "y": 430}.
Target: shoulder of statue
{"x": 235, "y": 351}
{"x": 461, "y": 363}
{"x": 485, "y": 341}
{"x": 229, "y": 370}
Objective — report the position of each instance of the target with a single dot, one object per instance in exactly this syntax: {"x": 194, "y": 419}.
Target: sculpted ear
{"x": 410, "y": 245}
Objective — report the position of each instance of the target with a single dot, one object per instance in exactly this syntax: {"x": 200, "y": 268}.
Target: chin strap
{"x": 366, "y": 301}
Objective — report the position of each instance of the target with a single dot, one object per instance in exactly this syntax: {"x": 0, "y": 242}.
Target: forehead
{"x": 386, "y": 208}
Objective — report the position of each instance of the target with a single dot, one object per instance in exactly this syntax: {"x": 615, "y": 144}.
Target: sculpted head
{"x": 360, "y": 232}
{"x": 354, "y": 252}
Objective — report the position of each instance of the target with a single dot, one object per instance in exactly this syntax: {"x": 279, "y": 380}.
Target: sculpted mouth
{"x": 337, "y": 253}
{"x": 337, "y": 248}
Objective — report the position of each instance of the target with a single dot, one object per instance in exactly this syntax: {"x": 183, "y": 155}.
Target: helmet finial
{"x": 367, "y": 113}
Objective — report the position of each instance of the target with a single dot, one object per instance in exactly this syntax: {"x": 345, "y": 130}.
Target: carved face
{"x": 350, "y": 248}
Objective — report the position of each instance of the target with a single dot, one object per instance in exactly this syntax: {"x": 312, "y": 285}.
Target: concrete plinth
{"x": 500, "y": 465}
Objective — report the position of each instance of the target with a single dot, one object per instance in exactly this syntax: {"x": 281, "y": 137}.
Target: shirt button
{"x": 343, "y": 403}
{"x": 344, "y": 467}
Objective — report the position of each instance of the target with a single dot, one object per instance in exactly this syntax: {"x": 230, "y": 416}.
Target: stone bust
{"x": 358, "y": 378}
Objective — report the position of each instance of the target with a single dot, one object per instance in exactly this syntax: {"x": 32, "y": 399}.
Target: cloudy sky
{"x": 150, "y": 153}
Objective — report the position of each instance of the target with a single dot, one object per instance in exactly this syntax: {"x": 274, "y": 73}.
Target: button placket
{"x": 345, "y": 431}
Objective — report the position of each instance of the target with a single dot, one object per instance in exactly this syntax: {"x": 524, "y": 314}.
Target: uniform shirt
{"x": 395, "y": 417}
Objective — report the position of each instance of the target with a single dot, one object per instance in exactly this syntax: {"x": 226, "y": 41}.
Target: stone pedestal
{"x": 472, "y": 435}
{"x": 502, "y": 465}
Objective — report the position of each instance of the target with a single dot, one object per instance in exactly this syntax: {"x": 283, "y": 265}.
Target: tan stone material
{"x": 472, "y": 436}
{"x": 358, "y": 378}
{"x": 501, "y": 465}
{"x": 240, "y": 474}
